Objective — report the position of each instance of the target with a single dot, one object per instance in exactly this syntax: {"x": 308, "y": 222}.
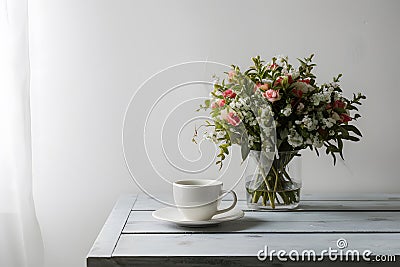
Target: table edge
{"x": 110, "y": 233}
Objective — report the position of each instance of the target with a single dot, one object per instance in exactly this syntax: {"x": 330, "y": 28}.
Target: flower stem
{"x": 276, "y": 183}
{"x": 268, "y": 188}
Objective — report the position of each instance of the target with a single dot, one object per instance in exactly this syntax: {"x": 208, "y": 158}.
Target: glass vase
{"x": 273, "y": 180}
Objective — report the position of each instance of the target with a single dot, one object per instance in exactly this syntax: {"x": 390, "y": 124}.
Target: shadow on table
{"x": 232, "y": 226}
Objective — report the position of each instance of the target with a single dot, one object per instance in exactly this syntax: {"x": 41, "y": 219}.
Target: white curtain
{"x": 20, "y": 239}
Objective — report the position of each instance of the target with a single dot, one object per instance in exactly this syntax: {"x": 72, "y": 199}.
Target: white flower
{"x": 267, "y": 81}
{"x": 304, "y": 87}
{"x": 281, "y": 58}
{"x": 243, "y": 102}
{"x": 309, "y": 123}
{"x": 334, "y": 84}
{"x": 220, "y": 134}
{"x": 300, "y": 107}
{"x": 317, "y": 98}
{"x": 328, "y": 123}
{"x": 287, "y": 110}
{"x": 330, "y": 90}
{"x": 317, "y": 142}
{"x": 337, "y": 96}
{"x": 294, "y": 139}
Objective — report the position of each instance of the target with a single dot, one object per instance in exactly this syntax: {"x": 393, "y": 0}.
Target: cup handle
{"x": 231, "y": 206}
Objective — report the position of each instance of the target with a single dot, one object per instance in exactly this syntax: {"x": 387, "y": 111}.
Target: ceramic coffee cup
{"x": 198, "y": 200}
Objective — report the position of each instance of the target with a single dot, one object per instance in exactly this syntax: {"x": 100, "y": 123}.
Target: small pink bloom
{"x": 219, "y": 103}
{"x": 279, "y": 80}
{"x": 273, "y": 66}
{"x": 272, "y": 95}
{"x": 229, "y": 93}
{"x": 307, "y": 81}
{"x": 233, "y": 119}
{"x": 344, "y": 117}
{"x": 231, "y": 74}
{"x": 257, "y": 85}
{"x": 339, "y": 104}
{"x": 290, "y": 78}
{"x": 264, "y": 87}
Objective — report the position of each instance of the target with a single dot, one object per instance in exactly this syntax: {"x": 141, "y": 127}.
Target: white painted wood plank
{"x": 159, "y": 245}
{"x": 278, "y": 222}
{"x": 351, "y": 196}
{"x": 349, "y": 205}
{"x": 310, "y": 205}
{"x": 109, "y": 234}
{"x": 146, "y": 203}
{"x": 143, "y": 198}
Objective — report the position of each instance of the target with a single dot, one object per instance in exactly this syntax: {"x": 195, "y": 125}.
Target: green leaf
{"x": 334, "y": 158}
{"x": 344, "y": 130}
{"x": 245, "y": 150}
{"x": 340, "y": 146}
{"x": 351, "y": 138}
{"x": 352, "y": 128}
{"x": 224, "y": 149}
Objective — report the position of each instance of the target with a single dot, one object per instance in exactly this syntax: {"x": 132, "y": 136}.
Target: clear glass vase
{"x": 273, "y": 180}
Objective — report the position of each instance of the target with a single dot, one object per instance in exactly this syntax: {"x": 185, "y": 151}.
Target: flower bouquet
{"x": 273, "y": 111}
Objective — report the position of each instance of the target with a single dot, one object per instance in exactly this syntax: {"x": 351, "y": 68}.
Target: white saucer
{"x": 171, "y": 214}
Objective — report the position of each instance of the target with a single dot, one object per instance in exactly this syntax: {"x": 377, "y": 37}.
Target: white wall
{"x": 88, "y": 57}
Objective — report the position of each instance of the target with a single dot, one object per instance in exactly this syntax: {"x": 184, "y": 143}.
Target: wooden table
{"x": 132, "y": 237}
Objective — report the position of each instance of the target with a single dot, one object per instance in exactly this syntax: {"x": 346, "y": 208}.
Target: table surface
{"x": 132, "y": 237}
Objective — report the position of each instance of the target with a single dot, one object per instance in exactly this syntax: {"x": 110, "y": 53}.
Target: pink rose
{"x": 229, "y": 93}
{"x": 272, "y": 95}
{"x": 219, "y": 103}
{"x": 233, "y": 119}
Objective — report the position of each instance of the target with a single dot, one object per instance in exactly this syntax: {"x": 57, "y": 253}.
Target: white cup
{"x": 198, "y": 200}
